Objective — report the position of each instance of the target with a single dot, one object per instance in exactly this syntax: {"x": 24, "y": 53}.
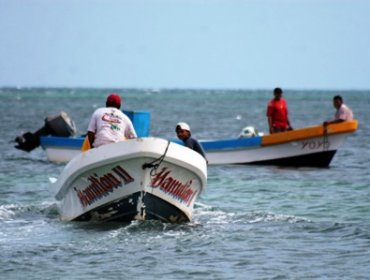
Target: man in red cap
{"x": 109, "y": 124}
{"x": 113, "y": 100}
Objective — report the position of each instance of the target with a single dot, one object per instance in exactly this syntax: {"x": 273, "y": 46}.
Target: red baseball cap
{"x": 114, "y": 100}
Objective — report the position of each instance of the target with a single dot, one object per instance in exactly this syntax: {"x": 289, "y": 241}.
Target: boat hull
{"x": 126, "y": 210}
{"x": 321, "y": 159}
{"x": 118, "y": 182}
{"x": 313, "y": 152}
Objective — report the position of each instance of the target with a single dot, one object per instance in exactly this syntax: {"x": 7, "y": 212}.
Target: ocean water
{"x": 251, "y": 222}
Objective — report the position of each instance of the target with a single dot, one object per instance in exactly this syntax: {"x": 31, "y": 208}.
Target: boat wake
{"x": 12, "y": 212}
{"x": 28, "y": 159}
{"x": 206, "y": 214}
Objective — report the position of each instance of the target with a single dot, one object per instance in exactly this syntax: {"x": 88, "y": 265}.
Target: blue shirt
{"x": 193, "y": 144}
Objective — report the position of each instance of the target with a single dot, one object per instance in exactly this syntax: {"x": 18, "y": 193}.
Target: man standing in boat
{"x": 342, "y": 114}
{"x": 183, "y": 133}
{"x": 109, "y": 124}
{"x": 277, "y": 113}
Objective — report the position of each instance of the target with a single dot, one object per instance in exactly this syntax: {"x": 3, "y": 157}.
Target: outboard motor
{"x": 59, "y": 125}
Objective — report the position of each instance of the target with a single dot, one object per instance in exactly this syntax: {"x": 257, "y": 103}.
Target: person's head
{"x": 183, "y": 131}
{"x": 278, "y": 92}
{"x": 337, "y": 101}
{"x": 113, "y": 100}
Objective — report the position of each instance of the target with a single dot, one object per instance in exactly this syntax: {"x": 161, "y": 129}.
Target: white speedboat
{"x": 143, "y": 178}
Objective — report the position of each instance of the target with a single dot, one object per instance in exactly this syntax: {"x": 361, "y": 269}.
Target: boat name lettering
{"x": 170, "y": 185}
{"x": 315, "y": 144}
{"x": 102, "y": 186}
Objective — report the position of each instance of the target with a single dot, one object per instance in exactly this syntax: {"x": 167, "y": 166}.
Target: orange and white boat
{"x": 312, "y": 146}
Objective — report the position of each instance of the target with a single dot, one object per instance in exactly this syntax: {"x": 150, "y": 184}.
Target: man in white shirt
{"x": 109, "y": 124}
{"x": 342, "y": 114}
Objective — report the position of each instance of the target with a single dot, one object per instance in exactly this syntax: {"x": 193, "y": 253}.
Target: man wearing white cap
{"x": 183, "y": 133}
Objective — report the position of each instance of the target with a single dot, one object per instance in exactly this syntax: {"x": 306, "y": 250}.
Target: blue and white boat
{"x": 63, "y": 149}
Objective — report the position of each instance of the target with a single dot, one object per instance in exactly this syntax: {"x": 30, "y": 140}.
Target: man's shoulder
{"x": 100, "y": 110}
{"x": 193, "y": 140}
{"x": 189, "y": 140}
{"x": 109, "y": 110}
{"x": 344, "y": 106}
{"x": 271, "y": 102}
{"x": 347, "y": 109}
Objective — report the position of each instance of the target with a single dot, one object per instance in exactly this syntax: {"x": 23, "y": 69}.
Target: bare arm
{"x": 326, "y": 123}
{"x": 289, "y": 126}
{"x": 269, "y": 120}
{"x": 91, "y": 136}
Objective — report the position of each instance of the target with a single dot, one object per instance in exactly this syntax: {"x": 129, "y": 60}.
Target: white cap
{"x": 183, "y": 126}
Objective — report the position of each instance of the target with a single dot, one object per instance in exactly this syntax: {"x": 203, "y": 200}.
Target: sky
{"x": 211, "y": 44}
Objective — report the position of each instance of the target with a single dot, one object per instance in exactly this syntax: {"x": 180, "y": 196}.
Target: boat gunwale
{"x": 71, "y": 174}
{"x": 309, "y": 132}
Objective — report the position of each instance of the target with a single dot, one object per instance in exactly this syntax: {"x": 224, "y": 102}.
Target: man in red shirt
{"x": 277, "y": 113}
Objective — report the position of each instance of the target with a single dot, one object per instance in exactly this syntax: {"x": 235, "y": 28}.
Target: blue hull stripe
{"x": 208, "y": 145}
{"x": 62, "y": 142}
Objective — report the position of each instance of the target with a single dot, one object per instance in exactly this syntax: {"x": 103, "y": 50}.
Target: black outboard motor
{"x": 59, "y": 125}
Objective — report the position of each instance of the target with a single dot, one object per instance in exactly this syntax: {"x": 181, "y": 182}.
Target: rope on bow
{"x": 156, "y": 163}
{"x": 325, "y": 139}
